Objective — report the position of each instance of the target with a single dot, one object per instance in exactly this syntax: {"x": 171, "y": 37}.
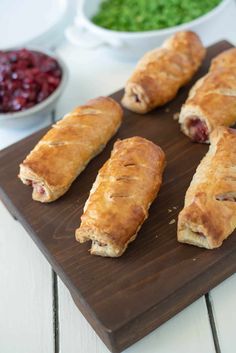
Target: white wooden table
{"x": 37, "y": 314}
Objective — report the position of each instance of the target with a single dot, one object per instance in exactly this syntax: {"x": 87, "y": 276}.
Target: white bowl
{"x": 32, "y": 116}
{"x": 132, "y": 45}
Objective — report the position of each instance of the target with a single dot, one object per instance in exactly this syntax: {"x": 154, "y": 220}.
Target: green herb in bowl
{"x": 146, "y": 15}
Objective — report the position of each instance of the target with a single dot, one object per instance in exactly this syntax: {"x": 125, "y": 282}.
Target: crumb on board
{"x": 194, "y": 259}
{"x": 156, "y": 236}
{"x": 173, "y": 208}
{"x": 172, "y": 221}
{"x": 167, "y": 110}
{"x": 176, "y": 116}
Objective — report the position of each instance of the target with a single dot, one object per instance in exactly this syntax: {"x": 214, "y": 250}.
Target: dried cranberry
{"x": 53, "y": 80}
{"x": 5, "y": 103}
{"x": 5, "y": 69}
{"x": 44, "y": 93}
{"x": 3, "y": 58}
{"x": 18, "y": 103}
{"x": 57, "y": 73}
{"x": 16, "y": 84}
{"x": 49, "y": 65}
{"x": 31, "y": 96}
{"x": 22, "y": 64}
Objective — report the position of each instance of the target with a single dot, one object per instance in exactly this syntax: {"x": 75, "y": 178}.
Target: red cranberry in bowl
{"x": 27, "y": 77}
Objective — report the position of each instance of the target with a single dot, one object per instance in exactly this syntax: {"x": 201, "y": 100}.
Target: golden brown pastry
{"x": 66, "y": 149}
{"x": 212, "y": 100}
{"x": 121, "y": 195}
{"x": 162, "y": 71}
{"x": 209, "y": 213}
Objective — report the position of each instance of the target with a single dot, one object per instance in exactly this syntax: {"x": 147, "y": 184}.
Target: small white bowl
{"x": 32, "y": 116}
{"x": 132, "y": 45}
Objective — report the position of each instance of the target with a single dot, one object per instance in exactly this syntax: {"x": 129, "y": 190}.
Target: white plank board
{"x": 189, "y": 331}
{"x": 223, "y": 301}
{"x": 26, "y": 314}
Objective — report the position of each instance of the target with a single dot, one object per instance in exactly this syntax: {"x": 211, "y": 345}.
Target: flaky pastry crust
{"x": 162, "y": 71}
{"x": 212, "y": 100}
{"x": 62, "y": 154}
{"x": 121, "y": 195}
{"x": 209, "y": 213}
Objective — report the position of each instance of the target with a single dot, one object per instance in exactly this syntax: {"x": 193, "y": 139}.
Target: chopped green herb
{"x": 145, "y": 15}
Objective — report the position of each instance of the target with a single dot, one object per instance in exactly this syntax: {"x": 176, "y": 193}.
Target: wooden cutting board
{"x": 125, "y": 298}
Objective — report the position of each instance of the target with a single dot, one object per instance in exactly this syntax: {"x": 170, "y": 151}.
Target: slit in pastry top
{"x": 62, "y": 154}
{"x": 162, "y": 71}
{"x": 209, "y": 213}
{"x": 229, "y": 196}
{"x": 121, "y": 195}
{"x": 212, "y": 100}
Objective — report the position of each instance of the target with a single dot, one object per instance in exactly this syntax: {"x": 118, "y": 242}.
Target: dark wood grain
{"x": 125, "y": 298}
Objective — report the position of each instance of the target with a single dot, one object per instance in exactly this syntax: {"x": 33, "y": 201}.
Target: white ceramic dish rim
{"x": 46, "y": 102}
{"x": 141, "y": 34}
{"x": 61, "y": 23}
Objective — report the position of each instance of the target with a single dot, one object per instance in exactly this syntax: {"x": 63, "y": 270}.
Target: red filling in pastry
{"x": 28, "y": 182}
{"x": 38, "y": 188}
{"x": 198, "y": 130}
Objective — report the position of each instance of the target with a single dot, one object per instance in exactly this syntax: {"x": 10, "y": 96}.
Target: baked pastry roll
{"x": 209, "y": 213}
{"x": 121, "y": 195}
{"x": 65, "y": 150}
{"x": 212, "y": 100}
{"x": 162, "y": 71}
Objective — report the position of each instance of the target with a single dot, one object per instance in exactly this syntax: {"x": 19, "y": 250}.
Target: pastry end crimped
{"x": 135, "y": 99}
{"x": 209, "y": 213}
{"x": 212, "y": 99}
{"x": 196, "y": 227}
{"x": 202, "y": 222}
{"x": 190, "y": 237}
{"x": 121, "y": 195}
{"x": 162, "y": 71}
{"x": 41, "y": 191}
{"x": 102, "y": 243}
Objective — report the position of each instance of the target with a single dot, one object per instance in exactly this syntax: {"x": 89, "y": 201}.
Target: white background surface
{"x": 27, "y": 318}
